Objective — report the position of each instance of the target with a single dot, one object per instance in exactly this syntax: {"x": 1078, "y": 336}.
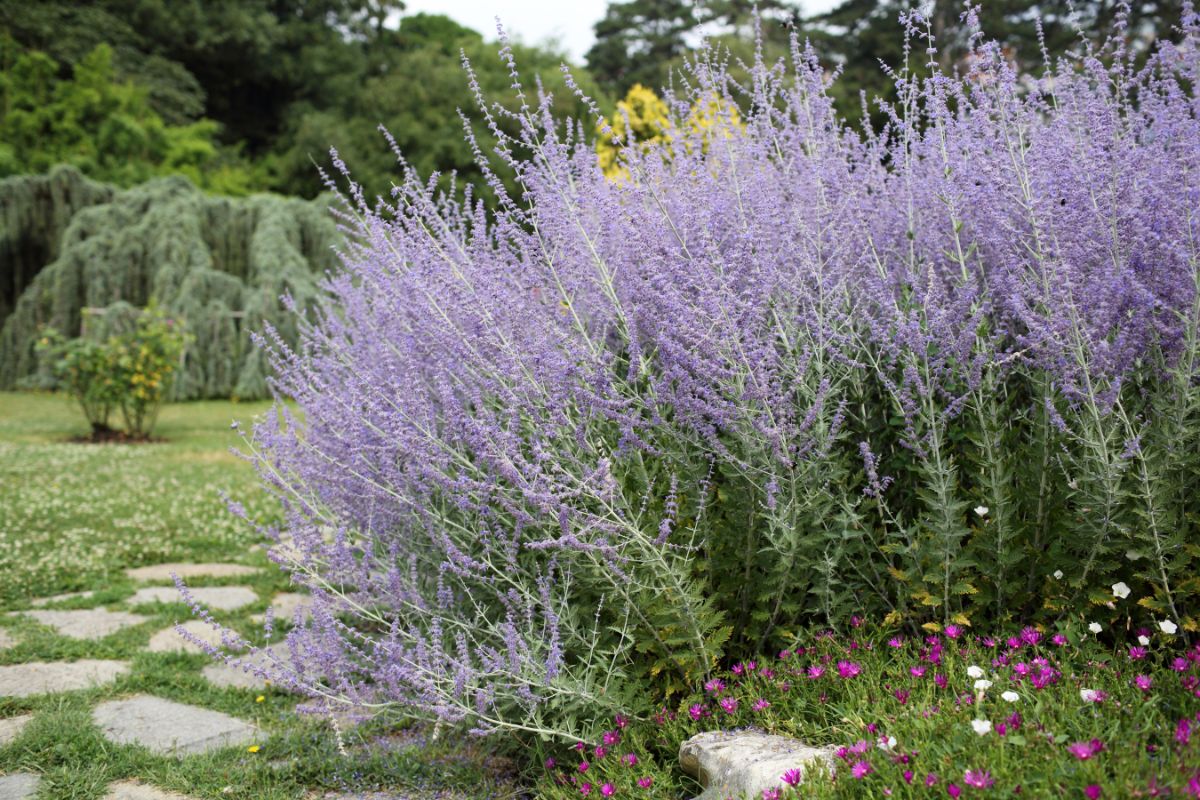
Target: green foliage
{"x": 101, "y": 125}
{"x": 132, "y": 371}
{"x": 221, "y": 265}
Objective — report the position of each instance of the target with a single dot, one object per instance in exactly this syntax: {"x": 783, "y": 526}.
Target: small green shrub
{"x": 131, "y": 371}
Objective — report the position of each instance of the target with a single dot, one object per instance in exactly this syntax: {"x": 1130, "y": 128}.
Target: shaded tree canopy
{"x": 223, "y": 265}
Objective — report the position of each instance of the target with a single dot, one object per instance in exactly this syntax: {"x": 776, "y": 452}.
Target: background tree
{"x": 637, "y": 41}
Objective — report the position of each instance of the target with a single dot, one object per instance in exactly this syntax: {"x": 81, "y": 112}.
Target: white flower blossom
{"x": 974, "y": 672}
{"x": 981, "y": 726}
{"x": 1058, "y": 574}
{"x": 1121, "y": 589}
{"x": 1010, "y": 697}
{"x": 1095, "y": 627}
{"x": 982, "y": 685}
{"x": 981, "y": 510}
{"x": 1167, "y": 626}
{"x": 887, "y": 742}
{"x": 1089, "y": 695}
{"x": 1144, "y": 641}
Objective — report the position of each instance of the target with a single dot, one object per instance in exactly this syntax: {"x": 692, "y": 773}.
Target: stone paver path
{"x": 225, "y": 598}
{"x": 170, "y": 640}
{"x": 91, "y": 623}
{"x": 240, "y": 677}
{"x": 11, "y": 727}
{"x": 23, "y": 680}
{"x": 18, "y": 785}
{"x": 285, "y": 606}
{"x": 164, "y": 572}
{"x": 169, "y": 728}
{"x": 58, "y": 598}
{"x": 6, "y": 639}
{"x": 132, "y": 790}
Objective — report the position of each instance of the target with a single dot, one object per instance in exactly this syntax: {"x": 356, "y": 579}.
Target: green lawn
{"x": 73, "y": 517}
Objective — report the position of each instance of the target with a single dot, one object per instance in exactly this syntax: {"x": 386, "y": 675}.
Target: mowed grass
{"x": 74, "y": 517}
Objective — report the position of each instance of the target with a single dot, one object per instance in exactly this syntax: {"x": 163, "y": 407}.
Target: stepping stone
{"x": 225, "y": 598}
{"x": 23, "y": 680}
{"x": 169, "y": 728}
{"x": 6, "y": 639}
{"x": 11, "y": 727}
{"x": 90, "y": 623}
{"x": 286, "y": 605}
{"x": 19, "y": 785}
{"x": 164, "y": 572}
{"x": 132, "y": 790}
{"x": 745, "y": 763}
{"x": 58, "y": 598}
{"x": 169, "y": 640}
{"x": 230, "y": 677}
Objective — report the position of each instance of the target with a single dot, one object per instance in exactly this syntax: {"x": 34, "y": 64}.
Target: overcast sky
{"x": 533, "y": 21}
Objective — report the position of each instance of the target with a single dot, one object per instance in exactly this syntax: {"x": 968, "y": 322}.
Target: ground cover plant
{"x": 1077, "y": 713}
{"x": 560, "y": 462}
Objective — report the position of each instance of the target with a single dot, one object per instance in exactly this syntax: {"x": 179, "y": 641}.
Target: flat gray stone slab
{"x": 45, "y": 677}
{"x": 11, "y": 727}
{"x": 240, "y": 677}
{"x": 169, "y": 728}
{"x": 164, "y": 572}
{"x": 745, "y": 763}
{"x": 133, "y": 790}
{"x": 170, "y": 640}
{"x": 285, "y": 605}
{"x": 225, "y": 598}
{"x": 89, "y": 623}
{"x": 6, "y": 639}
{"x": 59, "y": 598}
{"x": 19, "y": 785}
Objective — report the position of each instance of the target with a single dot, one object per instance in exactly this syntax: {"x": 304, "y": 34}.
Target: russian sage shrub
{"x": 553, "y": 461}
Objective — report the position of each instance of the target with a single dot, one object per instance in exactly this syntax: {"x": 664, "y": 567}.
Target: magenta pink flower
{"x": 728, "y": 704}
{"x": 645, "y": 782}
{"x": 896, "y": 641}
{"x": 931, "y": 779}
{"x": 953, "y": 631}
{"x": 585, "y": 789}
{"x": 815, "y": 671}
{"x": 1085, "y": 750}
{"x": 608, "y": 790}
{"x": 1137, "y": 653}
{"x": 917, "y": 671}
{"x": 715, "y": 686}
{"x": 697, "y": 712}
{"x": 583, "y": 766}
{"x": 953, "y": 789}
{"x": 629, "y": 759}
{"x": 771, "y": 794}
{"x": 1183, "y": 732}
{"x": 1092, "y": 791}
{"x": 792, "y": 777}
{"x": 761, "y": 705}
{"x": 848, "y": 669}
{"x": 979, "y": 779}
{"x": 861, "y": 769}
{"x": 621, "y": 720}
{"x": 1059, "y": 640}
{"x": 908, "y": 776}
{"x": 1143, "y": 682}
{"x": 611, "y": 737}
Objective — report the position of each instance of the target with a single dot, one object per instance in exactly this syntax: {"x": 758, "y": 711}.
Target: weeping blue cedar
{"x": 560, "y": 459}
{"x": 220, "y": 264}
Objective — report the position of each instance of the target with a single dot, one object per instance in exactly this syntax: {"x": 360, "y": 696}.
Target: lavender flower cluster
{"x": 539, "y": 459}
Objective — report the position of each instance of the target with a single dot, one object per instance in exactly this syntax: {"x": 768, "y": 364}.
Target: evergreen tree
{"x": 638, "y": 40}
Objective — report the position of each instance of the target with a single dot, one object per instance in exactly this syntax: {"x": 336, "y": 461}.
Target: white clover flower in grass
{"x": 1095, "y": 627}
{"x": 981, "y": 510}
{"x": 1168, "y": 627}
{"x": 974, "y": 672}
{"x": 981, "y": 726}
{"x": 1058, "y": 574}
{"x": 1144, "y": 641}
{"x": 982, "y": 685}
{"x": 1010, "y": 696}
{"x": 1121, "y": 590}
